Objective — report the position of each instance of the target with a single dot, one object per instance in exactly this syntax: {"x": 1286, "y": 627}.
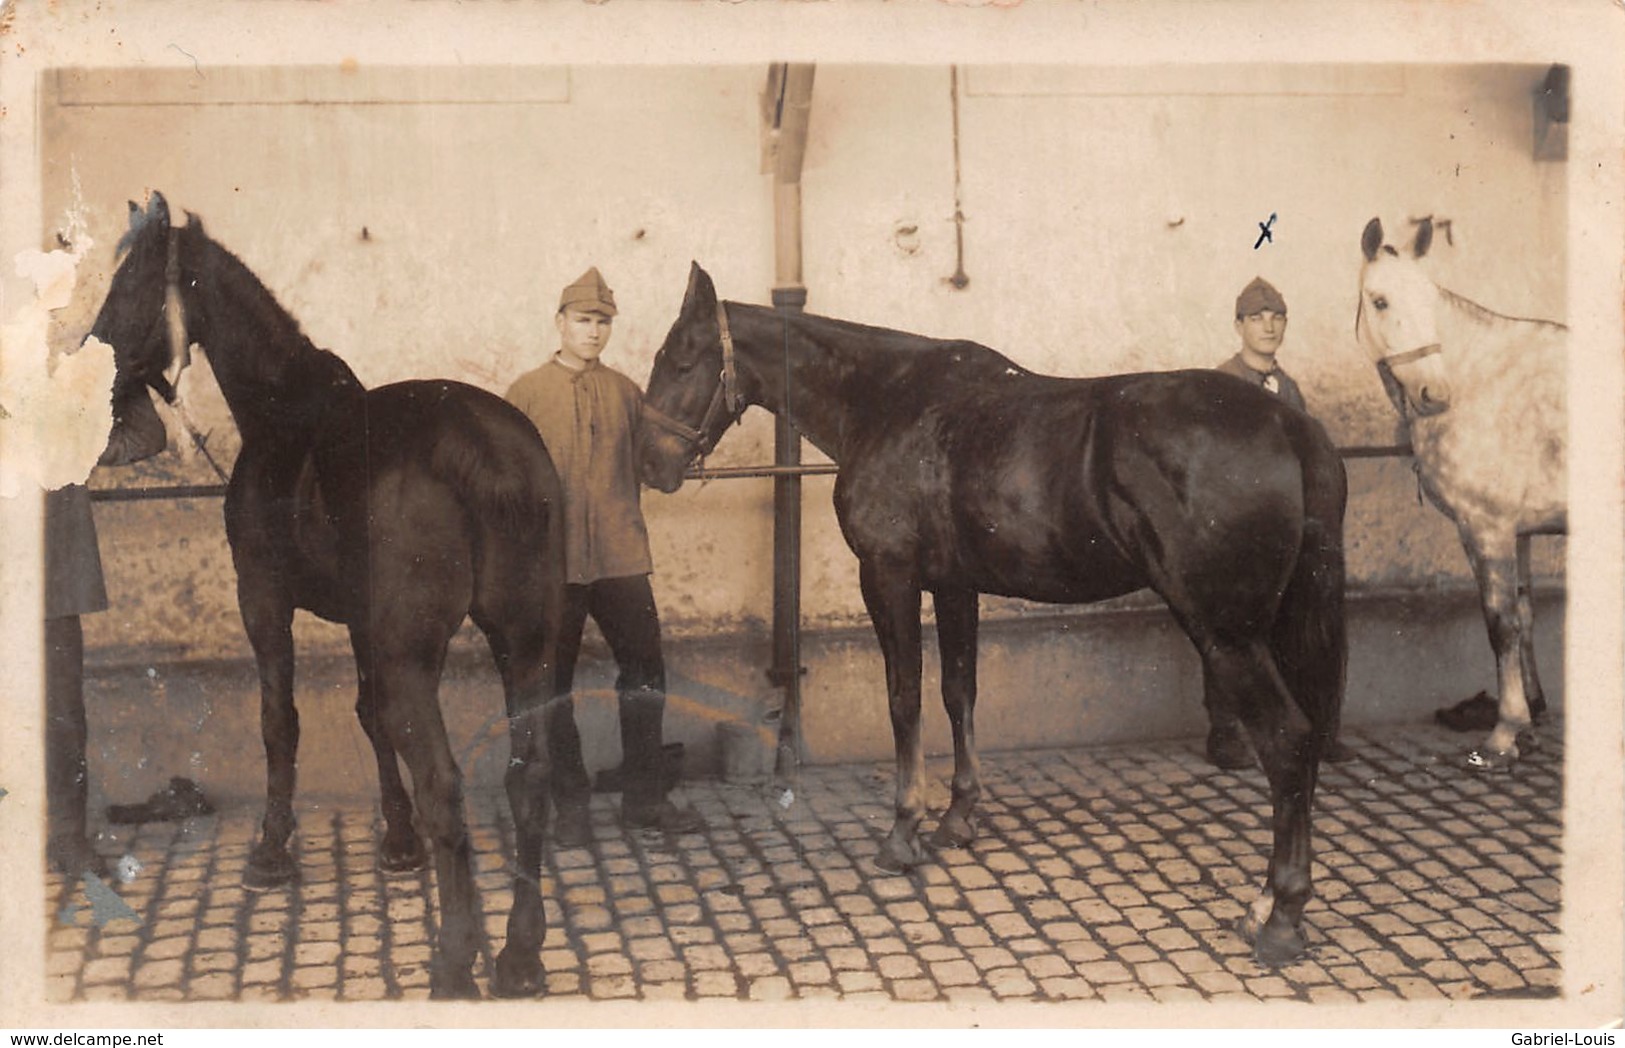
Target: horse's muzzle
{"x": 1432, "y": 399}
{"x": 662, "y": 472}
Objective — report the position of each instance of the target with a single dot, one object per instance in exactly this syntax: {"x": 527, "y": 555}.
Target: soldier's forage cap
{"x": 590, "y": 294}
{"x": 1257, "y": 296}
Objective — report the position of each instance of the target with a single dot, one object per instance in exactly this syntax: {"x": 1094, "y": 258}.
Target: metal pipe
{"x": 792, "y": 116}
{"x": 814, "y": 469}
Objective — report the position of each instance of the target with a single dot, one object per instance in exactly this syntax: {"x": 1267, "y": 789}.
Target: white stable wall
{"x": 420, "y": 222}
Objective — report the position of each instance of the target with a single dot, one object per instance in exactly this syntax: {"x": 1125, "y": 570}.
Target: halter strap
{"x": 725, "y": 397}
{"x": 684, "y": 432}
{"x": 730, "y": 377}
{"x": 1412, "y": 355}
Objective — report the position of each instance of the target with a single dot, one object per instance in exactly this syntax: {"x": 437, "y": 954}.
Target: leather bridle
{"x": 697, "y": 440}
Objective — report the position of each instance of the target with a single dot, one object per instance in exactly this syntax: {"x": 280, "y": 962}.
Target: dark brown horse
{"x": 962, "y": 473}
{"x": 397, "y": 511}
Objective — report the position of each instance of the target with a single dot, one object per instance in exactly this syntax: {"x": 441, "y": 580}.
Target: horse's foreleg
{"x": 1533, "y": 692}
{"x": 1495, "y": 564}
{"x": 1284, "y": 741}
{"x": 893, "y": 600}
{"x": 409, "y": 708}
{"x": 270, "y": 631}
{"x": 957, "y": 622}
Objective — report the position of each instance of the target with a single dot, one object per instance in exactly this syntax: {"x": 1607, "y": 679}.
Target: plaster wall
{"x": 421, "y": 221}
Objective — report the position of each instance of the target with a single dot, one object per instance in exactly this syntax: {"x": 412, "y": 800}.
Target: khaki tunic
{"x": 1288, "y": 390}
{"x": 589, "y": 421}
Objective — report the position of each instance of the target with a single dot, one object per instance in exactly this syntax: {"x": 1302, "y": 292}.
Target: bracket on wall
{"x": 1551, "y": 101}
{"x": 1440, "y": 225}
{"x": 960, "y": 280}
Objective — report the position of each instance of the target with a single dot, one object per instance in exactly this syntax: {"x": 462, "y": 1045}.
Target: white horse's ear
{"x": 1424, "y": 237}
{"x": 1371, "y": 239}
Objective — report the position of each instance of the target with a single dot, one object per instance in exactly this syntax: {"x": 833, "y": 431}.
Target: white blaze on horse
{"x": 1485, "y": 398}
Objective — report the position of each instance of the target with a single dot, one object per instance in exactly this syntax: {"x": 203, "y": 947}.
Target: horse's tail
{"x": 1310, "y": 639}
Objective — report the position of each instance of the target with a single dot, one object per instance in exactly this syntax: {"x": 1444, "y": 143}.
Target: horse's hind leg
{"x": 1284, "y": 741}
{"x": 401, "y": 850}
{"x": 269, "y": 624}
{"x": 408, "y": 705}
{"x": 528, "y": 684}
{"x": 1533, "y": 692}
{"x": 957, "y": 621}
{"x": 893, "y": 600}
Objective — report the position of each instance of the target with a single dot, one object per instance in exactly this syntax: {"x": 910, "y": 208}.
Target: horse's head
{"x": 142, "y": 318}
{"x": 693, "y": 394}
{"x": 1396, "y": 322}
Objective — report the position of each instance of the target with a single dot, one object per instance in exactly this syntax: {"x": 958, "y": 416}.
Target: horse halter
{"x": 180, "y": 351}
{"x": 725, "y": 398}
{"x": 1413, "y": 355}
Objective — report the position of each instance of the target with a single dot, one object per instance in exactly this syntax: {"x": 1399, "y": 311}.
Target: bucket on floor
{"x": 747, "y": 751}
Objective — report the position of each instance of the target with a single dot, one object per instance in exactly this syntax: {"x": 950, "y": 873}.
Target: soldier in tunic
{"x": 589, "y": 417}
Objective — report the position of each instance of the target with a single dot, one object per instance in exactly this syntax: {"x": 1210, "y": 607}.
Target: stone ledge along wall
{"x": 419, "y": 222}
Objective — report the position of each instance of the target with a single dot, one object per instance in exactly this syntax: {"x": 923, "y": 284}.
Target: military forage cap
{"x": 589, "y": 293}
{"x": 1257, "y": 296}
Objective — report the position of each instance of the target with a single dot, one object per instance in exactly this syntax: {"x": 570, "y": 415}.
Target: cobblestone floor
{"x": 1103, "y": 874}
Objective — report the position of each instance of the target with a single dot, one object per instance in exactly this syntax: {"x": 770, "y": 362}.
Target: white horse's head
{"x": 1397, "y": 323}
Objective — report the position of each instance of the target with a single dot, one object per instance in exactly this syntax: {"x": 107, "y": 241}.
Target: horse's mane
{"x": 234, "y": 275}
{"x": 1486, "y": 316}
{"x": 901, "y": 342}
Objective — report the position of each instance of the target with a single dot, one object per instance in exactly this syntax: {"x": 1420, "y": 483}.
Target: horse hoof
{"x": 954, "y": 832}
{"x": 1492, "y": 762}
{"x": 517, "y": 976}
{"x": 1276, "y": 943}
{"x": 268, "y": 869}
{"x": 892, "y": 859}
{"x": 457, "y": 986}
{"x": 395, "y": 857}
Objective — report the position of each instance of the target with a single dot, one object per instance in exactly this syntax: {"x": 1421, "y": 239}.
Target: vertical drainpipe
{"x": 792, "y": 108}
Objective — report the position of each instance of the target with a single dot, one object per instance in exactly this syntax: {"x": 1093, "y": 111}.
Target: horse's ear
{"x": 701, "y": 293}
{"x": 1371, "y": 239}
{"x": 136, "y": 214}
{"x": 1424, "y": 237}
{"x": 194, "y": 223}
{"x": 158, "y": 210}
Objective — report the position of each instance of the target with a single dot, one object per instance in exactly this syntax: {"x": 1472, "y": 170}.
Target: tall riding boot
{"x": 571, "y": 789}
{"x": 644, "y": 784}
{"x": 67, "y": 785}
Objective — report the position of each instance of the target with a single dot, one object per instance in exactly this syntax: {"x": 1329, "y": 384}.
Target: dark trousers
{"x": 624, "y": 609}
{"x": 66, "y": 785}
